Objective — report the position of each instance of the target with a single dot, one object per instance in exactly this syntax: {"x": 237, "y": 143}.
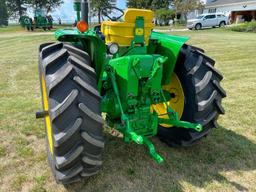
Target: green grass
{"x": 11, "y": 29}
{"x": 177, "y": 26}
{"x": 224, "y": 161}
{"x": 18, "y": 28}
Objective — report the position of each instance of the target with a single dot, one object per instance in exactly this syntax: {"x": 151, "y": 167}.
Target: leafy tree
{"x": 49, "y": 5}
{"x": 143, "y": 4}
{"x": 16, "y": 8}
{"x": 160, "y": 4}
{"x": 3, "y": 13}
{"x": 148, "y": 4}
{"x": 97, "y": 5}
{"x": 185, "y": 6}
{"x": 52, "y": 4}
{"x": 164, "y": 15}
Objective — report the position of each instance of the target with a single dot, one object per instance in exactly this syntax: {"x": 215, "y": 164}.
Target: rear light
{"x": 82, "y": 26}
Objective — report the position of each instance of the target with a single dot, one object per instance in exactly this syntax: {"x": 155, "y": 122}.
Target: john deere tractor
{"x": 41, "y": 21}
{"x": 124, "y": 75}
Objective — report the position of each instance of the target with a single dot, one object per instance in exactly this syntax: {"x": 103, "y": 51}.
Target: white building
{"x": 237, "y": 10}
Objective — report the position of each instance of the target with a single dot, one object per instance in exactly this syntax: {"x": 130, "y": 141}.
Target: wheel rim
{"x": 177, "y": 103}
{"x": 47, "y": 117}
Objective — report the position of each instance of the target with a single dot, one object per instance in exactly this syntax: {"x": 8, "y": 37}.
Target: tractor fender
{"x": 169, "y": 46}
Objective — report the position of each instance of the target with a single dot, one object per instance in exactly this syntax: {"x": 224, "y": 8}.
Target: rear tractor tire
{"x": 73, "y": 124}
{"x": 200, "y": 83}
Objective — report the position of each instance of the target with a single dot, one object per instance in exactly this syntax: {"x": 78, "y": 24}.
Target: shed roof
{"x": 227, "y": 2}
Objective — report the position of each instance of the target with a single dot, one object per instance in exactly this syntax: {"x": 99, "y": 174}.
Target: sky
{"x": 67, "y": 14}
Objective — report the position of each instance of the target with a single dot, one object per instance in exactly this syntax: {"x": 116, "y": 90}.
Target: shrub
{"x": 245, "y": 27}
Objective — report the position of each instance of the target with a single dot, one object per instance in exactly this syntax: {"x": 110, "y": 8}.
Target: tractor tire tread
{"x": 65, "y": 160}
{"x": 203, "y": 95}
{"x": 87, "y": 87}
{"x": 94, "y": 141}
{"x": 59, "y": 76}
{"x": 57, "y": 57}
{"x": 62, "y": 137}
{"x": 74, "y": 110}
{"x": 76, "y": 62}
{"x": 59, "y": 109}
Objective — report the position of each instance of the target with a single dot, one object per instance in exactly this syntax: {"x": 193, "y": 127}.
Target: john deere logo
{"x": 139, "y": 31}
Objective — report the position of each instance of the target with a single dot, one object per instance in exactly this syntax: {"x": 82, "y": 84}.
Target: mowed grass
{"x": 224, "y": 161}
{"x": 23, "y": 31}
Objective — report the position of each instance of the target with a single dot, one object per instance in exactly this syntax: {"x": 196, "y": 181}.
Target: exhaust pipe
{"x": 84, "y": 10}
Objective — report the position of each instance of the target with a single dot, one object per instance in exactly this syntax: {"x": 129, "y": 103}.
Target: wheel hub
{"x": 176, "y": 102}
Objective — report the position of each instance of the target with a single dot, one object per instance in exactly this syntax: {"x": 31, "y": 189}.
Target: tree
{"x": 160, "y": 4}
{"x": 164, "y": 16}
{"x": 49, "y": 5}
{"x": 142, "y": 4}
{"x": 96, "y": 7}
{"x": 148, "y": 4}
{"x": 185, "y": 6}
{"x": 16, "y": 8}
{"x": 3, "y": 13}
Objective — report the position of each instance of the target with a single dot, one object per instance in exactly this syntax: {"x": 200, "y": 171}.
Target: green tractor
{"x": 41, "y": 21}
{"x": 124, "y": 75}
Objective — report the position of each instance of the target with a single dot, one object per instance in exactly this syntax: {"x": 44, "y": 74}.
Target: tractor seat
{"x": 123, "y": 32}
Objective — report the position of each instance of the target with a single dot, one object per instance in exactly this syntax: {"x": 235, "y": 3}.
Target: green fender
{"x": 169, "y": 46}
{"x": 91, "y": 43}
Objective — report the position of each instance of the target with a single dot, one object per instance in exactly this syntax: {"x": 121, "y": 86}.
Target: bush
{"x": 245, "y": 27}
{"x": 164, "y": 16}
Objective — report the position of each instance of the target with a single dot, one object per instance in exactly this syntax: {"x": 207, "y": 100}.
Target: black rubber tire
{"x": 74, "y": 109}
{"x": 203, "y": 95}
{"x": 198, "y": 26}
{"x": 222, "y": 24}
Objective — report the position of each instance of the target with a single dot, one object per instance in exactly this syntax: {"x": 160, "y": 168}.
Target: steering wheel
{"x": 108, "y": 10}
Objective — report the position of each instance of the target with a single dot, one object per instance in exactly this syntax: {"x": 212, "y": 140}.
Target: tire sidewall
{"x": 198, "y": 26}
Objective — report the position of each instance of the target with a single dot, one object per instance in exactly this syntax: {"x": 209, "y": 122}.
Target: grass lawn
{"x": 178, "y": 26}
{"x": 224, "y": 161}
{"x": 18, "y": 28}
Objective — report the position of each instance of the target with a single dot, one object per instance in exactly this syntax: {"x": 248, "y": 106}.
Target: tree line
{"x": 17, "y": 8}
{"x": 165, "y": 10}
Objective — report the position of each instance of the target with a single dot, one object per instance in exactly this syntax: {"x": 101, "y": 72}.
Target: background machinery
{"x": 40, "y": 21}
{"x": 145, "y": 83}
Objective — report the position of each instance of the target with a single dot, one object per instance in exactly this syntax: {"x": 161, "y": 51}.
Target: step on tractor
{"x": 41, "y": 21}
{"x": 123, "y": 75}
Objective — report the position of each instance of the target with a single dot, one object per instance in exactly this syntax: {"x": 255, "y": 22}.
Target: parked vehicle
{"x": 207, "y": 20}
{"x": 41, "y": 21}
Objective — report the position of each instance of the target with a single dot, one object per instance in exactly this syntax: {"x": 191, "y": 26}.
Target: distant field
{"x": 224, "y": 161}
{"x": 18, "y": 28}
{"x": 11, "y": 29}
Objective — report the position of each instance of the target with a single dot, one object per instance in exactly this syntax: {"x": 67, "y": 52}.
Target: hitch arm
{"x": 181, "y": 124}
